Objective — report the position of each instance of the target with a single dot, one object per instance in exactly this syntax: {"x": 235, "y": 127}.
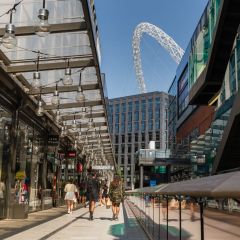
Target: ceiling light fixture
{"x": 36, "y": 76}
{"x": 67, "y": 80}
{"x": 43, "y": 27}
{"x": 80, "y": 97}
{"x": 55, "y": 99}
{"x": 9, "y": 39}
{"x": 40, "y": 109}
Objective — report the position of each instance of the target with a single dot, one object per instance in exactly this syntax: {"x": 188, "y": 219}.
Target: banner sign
{"x": 96, "y": 167}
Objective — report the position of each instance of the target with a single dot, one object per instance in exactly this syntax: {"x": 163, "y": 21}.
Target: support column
{"x": 141, "y": 176}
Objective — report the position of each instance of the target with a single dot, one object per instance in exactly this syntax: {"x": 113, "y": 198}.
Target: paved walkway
{"x": 76, "y": 226}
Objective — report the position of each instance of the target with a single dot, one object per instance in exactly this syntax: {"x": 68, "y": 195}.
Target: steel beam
{"x": 73, "y": 105}
{"x": 79, "y": 116}
{"x": 85, "y": 125}
{"x": 80, "y": 63}
{"x": 47, "y": 90}
{"x": 55, "y": 28}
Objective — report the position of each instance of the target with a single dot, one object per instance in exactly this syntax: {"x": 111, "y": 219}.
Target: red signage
{"x": 71, "y": 154}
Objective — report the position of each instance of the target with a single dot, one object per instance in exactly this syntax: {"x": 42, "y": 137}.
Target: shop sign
{"x": 71, "y": 154}
{"x": 96, "y": 167}
{"x": 53, "y": 140}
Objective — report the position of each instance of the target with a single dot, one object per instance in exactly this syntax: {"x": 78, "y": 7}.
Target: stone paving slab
{"x": 77, "y": 226}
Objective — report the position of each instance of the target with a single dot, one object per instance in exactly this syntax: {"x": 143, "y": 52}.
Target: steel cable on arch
{"x": 175, "y": 51}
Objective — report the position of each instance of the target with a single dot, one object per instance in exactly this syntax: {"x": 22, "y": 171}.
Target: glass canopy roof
{"x": 73, "y": 43}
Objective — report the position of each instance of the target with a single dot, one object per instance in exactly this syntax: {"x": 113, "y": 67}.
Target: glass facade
{"x": 5, "y": 143}
{"x": 202, "y": 40}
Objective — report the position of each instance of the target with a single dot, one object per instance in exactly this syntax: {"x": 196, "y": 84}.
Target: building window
{"x": 150, "y": 136}
{"x": 157, "y": 136}
{"x": 143, "y": 126}
{"x": 123, "y": 107}
{"x": 130, "y": 106}
{"x": 150, "y": 114}
{"x": 143, "y": 137}
{"x": 122, "y": 160}
{"x": 129, "y": 137}
{"x": 129, "y": 117}
{"x": 116, "y": 128}
{"x": 136, "y": 128}
{"x": 116, "y": 138}
{"x": 135, "y": 148}
{"x": 136, "y": 137}
{"x": 116, "y": 149}
{"x": 129, "y": 159}
{"x": 142, "y": 145}
{"x": 123, "y": 138}
{"x": 136, "y": 105}
{"x": 136, "y": 116}
{"x": 122, "y": 149}
{"x": 157, "y": 124}
{"x": 123, "y": 128}
{"x": 116, "y": 118}
{"x": 157, "y": 145}
{"x": 123, "y": 116}
{"x": 130, "y": 127}
{"x": 117, "y": 108}
{"x": 129, "y": 148}
{"x": 150, "y": 125}
{"x": 144, "y": 115}
{"x": 129, "y": 171}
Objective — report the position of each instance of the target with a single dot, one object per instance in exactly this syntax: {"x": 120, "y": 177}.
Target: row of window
{"x": 137, "y": 105}
{"x": 136, "y": 137}
{"x": 136, "y": 126}
{"x": 133, "y": 116}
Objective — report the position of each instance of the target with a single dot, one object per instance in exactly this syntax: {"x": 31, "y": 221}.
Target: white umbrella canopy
{"x": 218, "y": 186}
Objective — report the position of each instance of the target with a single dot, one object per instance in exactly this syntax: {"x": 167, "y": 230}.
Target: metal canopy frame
{"x": 72, "y": 39}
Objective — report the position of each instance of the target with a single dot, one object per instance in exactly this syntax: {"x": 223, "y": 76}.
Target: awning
{"x": 218, "y": 186}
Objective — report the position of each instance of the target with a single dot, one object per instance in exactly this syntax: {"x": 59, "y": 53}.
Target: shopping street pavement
{"x": 218, "y": 225}
{"x": 56, "y": 224}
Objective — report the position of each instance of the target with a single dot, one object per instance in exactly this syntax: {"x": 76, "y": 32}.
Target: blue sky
{"x": 117, "y": 20}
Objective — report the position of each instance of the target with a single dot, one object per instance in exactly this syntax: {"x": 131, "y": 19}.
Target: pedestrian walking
{"x": 105, "y": 193}
{"x": 70, "y": 190}
{"x": 93, "y": 190}
{"x": 82, "y": 193}
{"x": 116, "y": 195}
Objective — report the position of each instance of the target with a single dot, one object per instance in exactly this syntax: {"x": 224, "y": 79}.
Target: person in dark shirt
{"x": 93, "y": 189}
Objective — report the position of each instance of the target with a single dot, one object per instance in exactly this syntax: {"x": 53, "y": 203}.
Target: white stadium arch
{"x": 163, "y": 39}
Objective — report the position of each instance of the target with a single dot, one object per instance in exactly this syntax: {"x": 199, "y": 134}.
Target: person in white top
{"x": 70, "y": 190}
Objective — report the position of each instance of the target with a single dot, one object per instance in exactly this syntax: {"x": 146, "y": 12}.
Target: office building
{"x": 133, "y": 122}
